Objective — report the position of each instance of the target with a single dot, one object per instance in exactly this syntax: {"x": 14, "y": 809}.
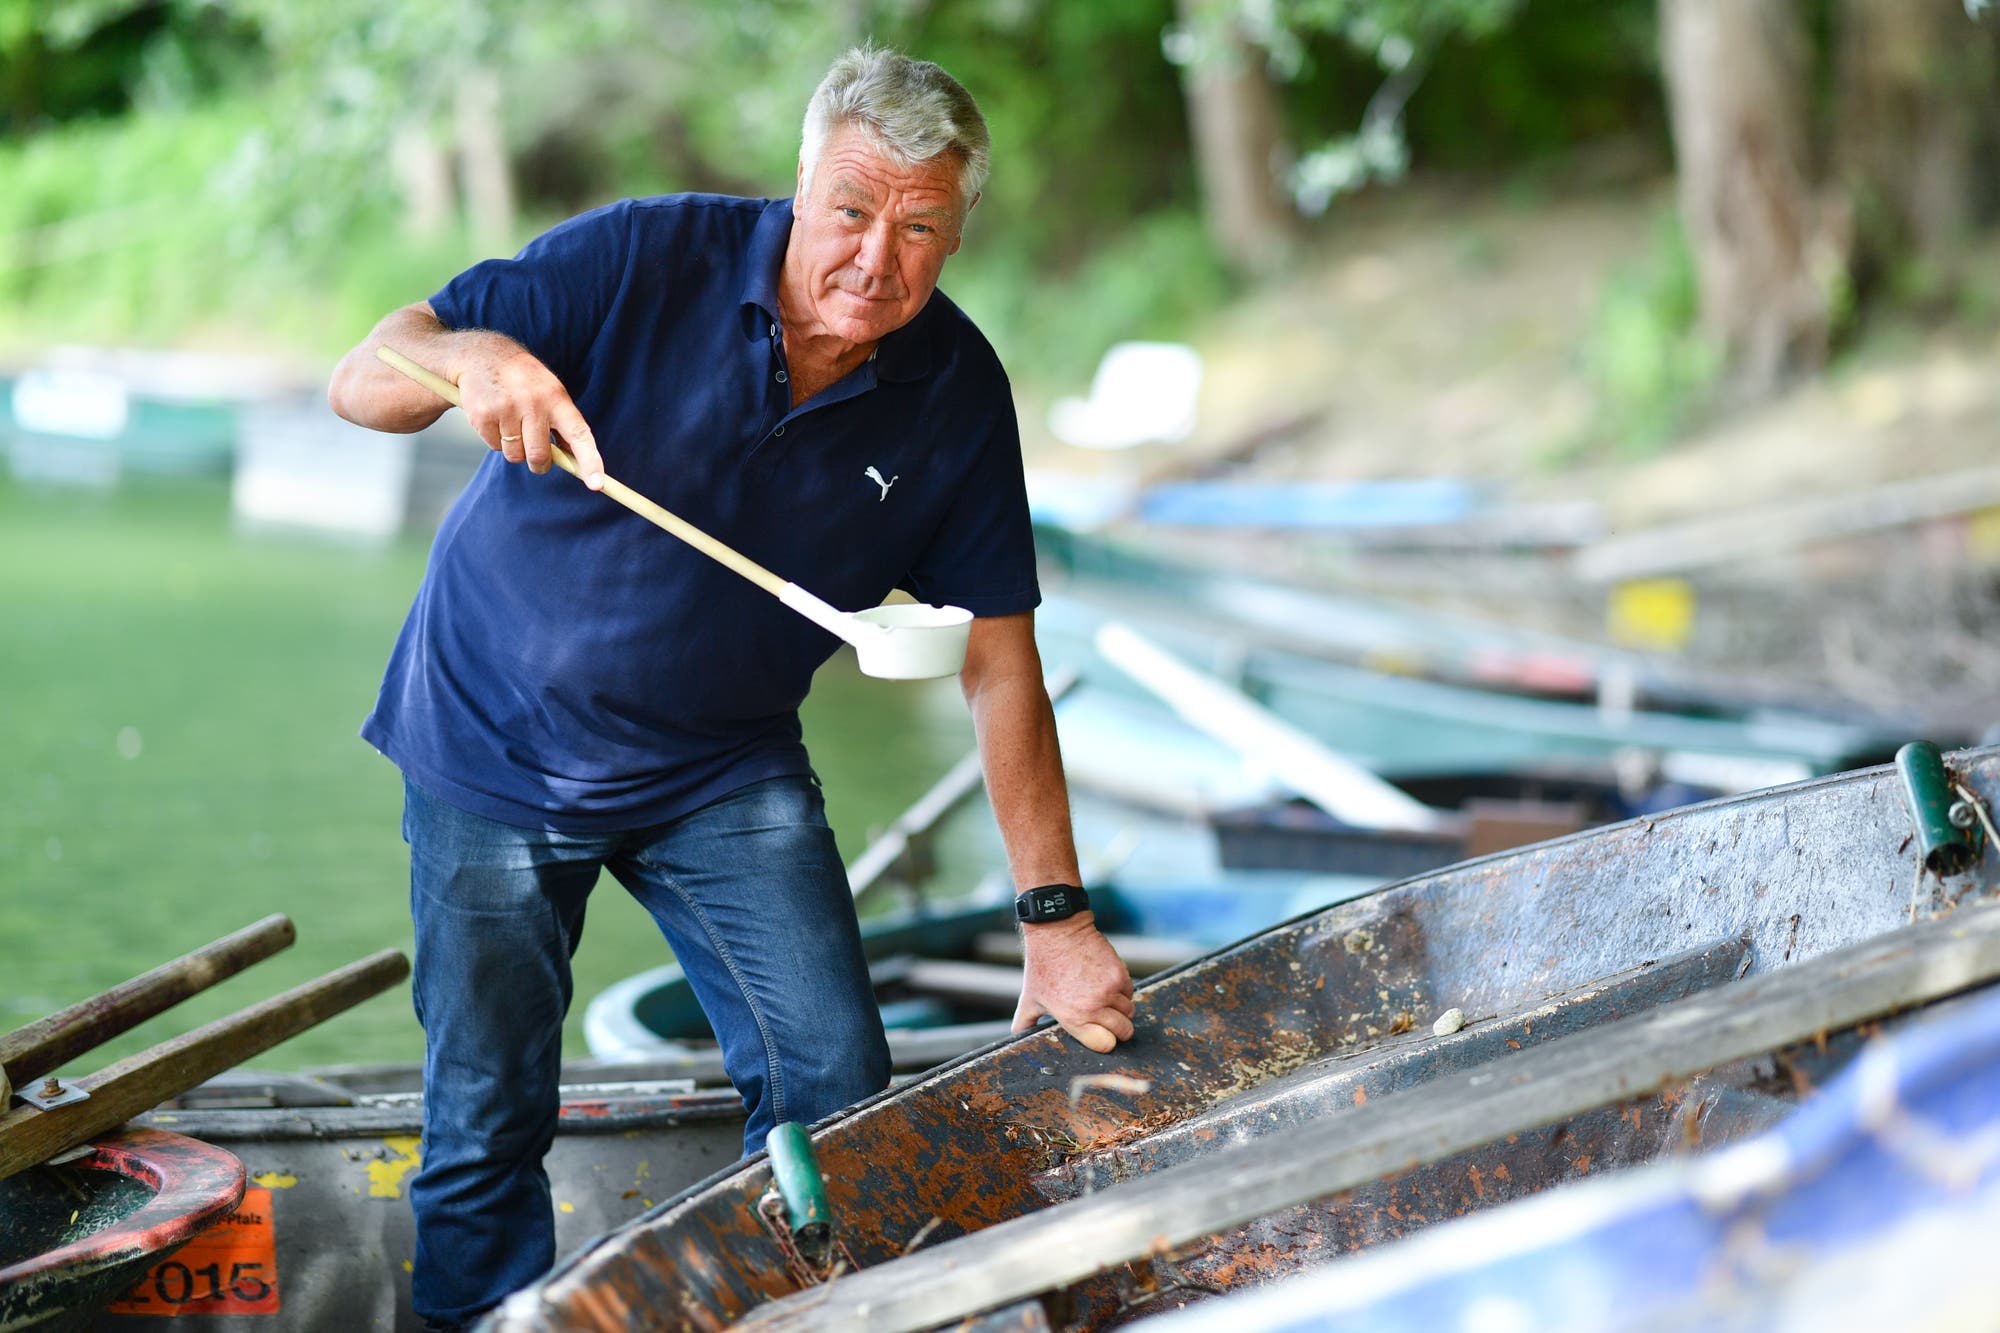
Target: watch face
{"x": 1051, "y": 902}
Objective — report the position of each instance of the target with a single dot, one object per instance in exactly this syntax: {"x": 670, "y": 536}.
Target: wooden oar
{"x": 141, "y": 1082}
{"x": 29, "y": 1052}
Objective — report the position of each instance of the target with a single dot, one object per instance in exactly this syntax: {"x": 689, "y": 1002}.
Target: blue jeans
{"x": 751, "y": 896}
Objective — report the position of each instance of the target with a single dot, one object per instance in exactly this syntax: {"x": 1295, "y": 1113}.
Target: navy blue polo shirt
{"x": 566, "y": 664}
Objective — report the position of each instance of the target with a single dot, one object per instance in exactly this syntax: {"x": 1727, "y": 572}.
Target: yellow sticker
{"x": 1652, "y": 613}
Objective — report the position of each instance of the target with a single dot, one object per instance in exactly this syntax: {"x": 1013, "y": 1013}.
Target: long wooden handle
{"x": 140, "y": 1082}
{"x": 617, "y": 490}
{"x": 29, "y": 1052}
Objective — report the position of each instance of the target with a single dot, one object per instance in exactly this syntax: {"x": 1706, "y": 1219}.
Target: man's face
{"x": 869, "y": 237}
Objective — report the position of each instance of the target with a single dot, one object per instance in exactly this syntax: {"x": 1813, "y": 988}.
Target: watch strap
{"x": 1051, "y": 902}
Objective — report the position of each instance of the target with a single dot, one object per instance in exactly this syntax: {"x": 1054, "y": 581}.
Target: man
{"x": 575, "y": 691}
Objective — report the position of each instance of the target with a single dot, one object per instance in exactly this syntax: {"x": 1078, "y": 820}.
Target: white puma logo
{"x": 876, "y": 477}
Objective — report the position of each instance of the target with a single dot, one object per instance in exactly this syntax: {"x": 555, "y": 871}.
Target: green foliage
{"x": 1378, "y": 87}
{"x": 98, "y": 57}
{"x": 1154, "y": 281}
{"x": 284, "y": 187}
{"x": 129, "y": 244}
{"x": 1645, "y": 352}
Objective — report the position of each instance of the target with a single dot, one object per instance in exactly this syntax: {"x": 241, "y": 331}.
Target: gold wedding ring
{"x": 508, "y": 439}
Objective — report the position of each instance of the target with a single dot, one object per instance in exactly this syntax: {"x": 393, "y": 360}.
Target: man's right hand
{"x": 514, "y": 402}
{"x": 1071, "y": 973}
{"x": 510, "y": 397}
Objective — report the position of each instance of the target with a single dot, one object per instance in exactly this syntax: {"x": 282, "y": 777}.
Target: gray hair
{"x": 911, "y": 110}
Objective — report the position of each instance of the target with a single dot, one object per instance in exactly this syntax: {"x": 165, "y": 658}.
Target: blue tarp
{"x": 1309, "y": 504}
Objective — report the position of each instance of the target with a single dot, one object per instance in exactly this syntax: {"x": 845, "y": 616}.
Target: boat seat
{"x": 977, "y": 983}
{"x": 1353, "y": 1076}
{"x": 1143, "y": 954}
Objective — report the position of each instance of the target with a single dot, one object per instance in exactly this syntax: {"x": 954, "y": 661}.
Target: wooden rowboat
{"x": 1623, "y": 992}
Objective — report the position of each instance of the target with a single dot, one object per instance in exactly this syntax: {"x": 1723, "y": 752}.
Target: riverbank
{"x": 1443, "y": 331}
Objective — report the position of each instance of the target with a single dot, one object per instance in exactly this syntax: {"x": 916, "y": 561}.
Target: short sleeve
{"x": 552, "y": 297}
{"x": 983, "y": 555}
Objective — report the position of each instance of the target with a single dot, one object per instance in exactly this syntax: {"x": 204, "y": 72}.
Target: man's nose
{"x": 877, "y": 257}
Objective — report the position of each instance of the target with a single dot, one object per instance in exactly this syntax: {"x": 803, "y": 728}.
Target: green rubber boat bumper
{"x": 1927, "y": 791}
{"x": 796, "y": 1175}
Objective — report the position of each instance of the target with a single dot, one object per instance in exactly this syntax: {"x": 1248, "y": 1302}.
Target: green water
{"x": 178, "y": 758}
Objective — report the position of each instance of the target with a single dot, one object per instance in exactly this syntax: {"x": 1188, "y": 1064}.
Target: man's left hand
{"x": 1071, "y": 973}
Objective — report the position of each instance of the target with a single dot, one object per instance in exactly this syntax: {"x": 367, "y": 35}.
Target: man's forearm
{"x": 1024, "y": 779}
{"x": 371, "y": 394}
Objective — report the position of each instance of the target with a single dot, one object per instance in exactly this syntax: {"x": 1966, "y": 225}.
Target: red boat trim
{"x": 195, "y": 1185}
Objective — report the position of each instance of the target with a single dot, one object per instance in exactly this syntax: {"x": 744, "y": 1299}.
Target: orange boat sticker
{"x": 231, "y": 1268}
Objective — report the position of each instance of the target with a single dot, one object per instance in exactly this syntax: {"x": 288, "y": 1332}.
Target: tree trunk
{"x": 1769, "y": 255}
{"x": 1914, "y": 81}
{"x": 487, "y": 175}
{"x": 1238, "y": 142}
{"x": 423, "y": 173}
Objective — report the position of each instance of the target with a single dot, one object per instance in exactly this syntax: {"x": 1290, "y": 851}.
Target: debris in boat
{"x": 1401, "y": 1023}
{"x": 1136, "y": 1129}
{"x": 1125, "y": 1083}
{"x": 923, "y": 1233}
{"x": 1974, "y": 807}
{"x": 1448, "y": 1022}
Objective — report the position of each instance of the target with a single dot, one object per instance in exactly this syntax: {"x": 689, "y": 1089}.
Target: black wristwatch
{"x": 1051, "y": 902}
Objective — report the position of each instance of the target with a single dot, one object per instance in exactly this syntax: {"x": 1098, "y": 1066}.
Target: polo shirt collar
{"x": 902, "y": 355}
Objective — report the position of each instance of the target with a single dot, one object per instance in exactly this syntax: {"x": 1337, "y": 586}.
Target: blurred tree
{"x": 1240, "y": 151}
{"x": 97, "y": 57}
{"x": 1917, "y": 91}
{"x": 1230, "y": 53}
{"x": 1770, "y": 252}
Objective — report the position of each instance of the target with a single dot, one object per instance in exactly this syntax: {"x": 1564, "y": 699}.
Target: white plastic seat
{"x": 1143, "y": 393}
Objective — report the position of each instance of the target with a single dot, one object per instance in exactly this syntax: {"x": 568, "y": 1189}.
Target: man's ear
{"x": 800, "y": 189}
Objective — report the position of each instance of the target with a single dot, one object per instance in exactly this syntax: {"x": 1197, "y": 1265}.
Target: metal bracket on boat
{"x": 1944, "y": 832}
{"x": 52, "y": 1092}
{"x": 801, "y": 1190}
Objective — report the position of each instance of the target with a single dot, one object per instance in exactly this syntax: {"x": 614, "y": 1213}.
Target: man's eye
{"x": 850, "y": 211}
{"x": 920, "y": 226}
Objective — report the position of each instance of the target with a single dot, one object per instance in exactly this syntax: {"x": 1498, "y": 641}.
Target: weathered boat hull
{"x": 73, "y": 1235}
{"x": 1872, "y": 1206}
{"x": 1315, "y": 1035}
